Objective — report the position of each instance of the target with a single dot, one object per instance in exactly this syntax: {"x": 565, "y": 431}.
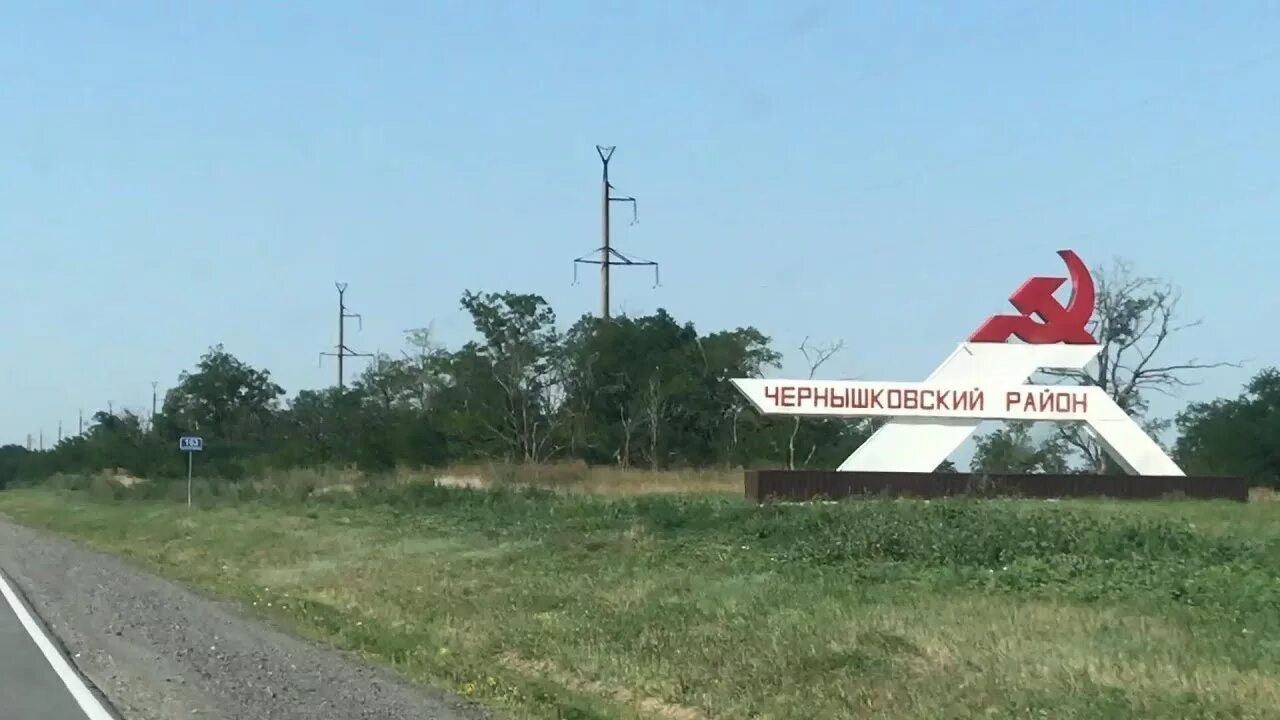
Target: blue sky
{"x": 174, "y": 175}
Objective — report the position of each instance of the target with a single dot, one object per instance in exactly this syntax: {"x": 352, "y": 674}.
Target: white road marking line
{"x": 83, "y": 696}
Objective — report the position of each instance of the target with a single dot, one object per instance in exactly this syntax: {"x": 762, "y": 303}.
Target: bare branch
{"x": 815, "y": 357}
{"x": 1134, "y": 321}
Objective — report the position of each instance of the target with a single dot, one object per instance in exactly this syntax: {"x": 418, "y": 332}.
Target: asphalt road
{"x": 154, "y": 650}
{"x": 30, "y": 686}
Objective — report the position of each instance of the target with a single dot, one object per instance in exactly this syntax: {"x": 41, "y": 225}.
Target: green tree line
{"x": 633, "y": 391}
{"x": 645, "y": 391}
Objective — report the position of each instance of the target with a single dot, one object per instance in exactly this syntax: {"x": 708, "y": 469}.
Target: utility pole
{"x": 59, "y": 432}
{"x": 154, "y": 383}
{"x": 609, "y": 256}
{"x": 606, "y": 198}
{"x": 41, "y": 439}
{"x": 81, "y": 431}
{"x": 28, "y": 442}
{"x": 341, "y": 347}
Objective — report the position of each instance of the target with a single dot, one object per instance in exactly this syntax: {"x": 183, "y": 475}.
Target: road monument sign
{"x": 190, "y": 445}
{"x": 984, "y": 379}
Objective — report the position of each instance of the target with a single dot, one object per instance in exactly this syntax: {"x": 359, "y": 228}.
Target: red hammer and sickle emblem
{"x": 1034, "y": 299}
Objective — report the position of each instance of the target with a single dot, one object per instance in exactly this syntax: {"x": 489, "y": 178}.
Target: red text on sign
{"x": 875, "y": 399}
{"x": 1046, "y": 401}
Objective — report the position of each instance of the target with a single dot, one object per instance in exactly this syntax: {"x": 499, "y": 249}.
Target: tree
{"x": 814, "y": 357}
{"x": 1238, "y": 436}
{"x": 423, "y": 362}
{"x": 1135, "y": 318}
{"x": 118, "y": 441}
{"x": 13, "y": 458}
{"x": 224, "y": 398}
{"x": 740, "y": 353}
{"x": 655, "y": 402}
{"x": 628, "y": 374}
{"x": 231, "y": 404}
{"x": 396, "y": 405}
{"x": 581, "y": 384}
{"x": 654, "y": 387}
{"x": 1012, "y": 450}
{"x": 509, "y": 379}
{"x": 312, "y": 431}
{"x": 410, "y": 381}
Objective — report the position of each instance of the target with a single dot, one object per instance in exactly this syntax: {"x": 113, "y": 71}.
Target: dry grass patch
{"x": 1263, "y": 495}
{"x": 568, "y": 477}
{"x": 597, "y": 480}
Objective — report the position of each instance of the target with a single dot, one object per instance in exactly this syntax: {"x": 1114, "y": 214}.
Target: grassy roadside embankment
{"x": 587, "y": 605}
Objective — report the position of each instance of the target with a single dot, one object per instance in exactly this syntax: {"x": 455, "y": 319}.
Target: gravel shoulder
{"x": 158, "y": 651}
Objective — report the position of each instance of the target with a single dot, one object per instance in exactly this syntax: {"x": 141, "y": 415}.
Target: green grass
{"x": 568, "y": 606}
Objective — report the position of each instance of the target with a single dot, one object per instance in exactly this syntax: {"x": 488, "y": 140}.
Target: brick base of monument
{"x": 802, "y": 485}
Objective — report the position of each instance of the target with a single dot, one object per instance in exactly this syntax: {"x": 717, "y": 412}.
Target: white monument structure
{"x": 985, "y": 378}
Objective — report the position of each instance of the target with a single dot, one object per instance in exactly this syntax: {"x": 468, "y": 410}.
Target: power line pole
{"x": 341, "y": 347}
{"x": 59, "y": 432}
{"x": 41, "y": 439}
{"x": 154, "y": 383}
{"x": 610, "y": 256}
{"x": 606, "y": 199}
{"x": 81, "y": 432}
